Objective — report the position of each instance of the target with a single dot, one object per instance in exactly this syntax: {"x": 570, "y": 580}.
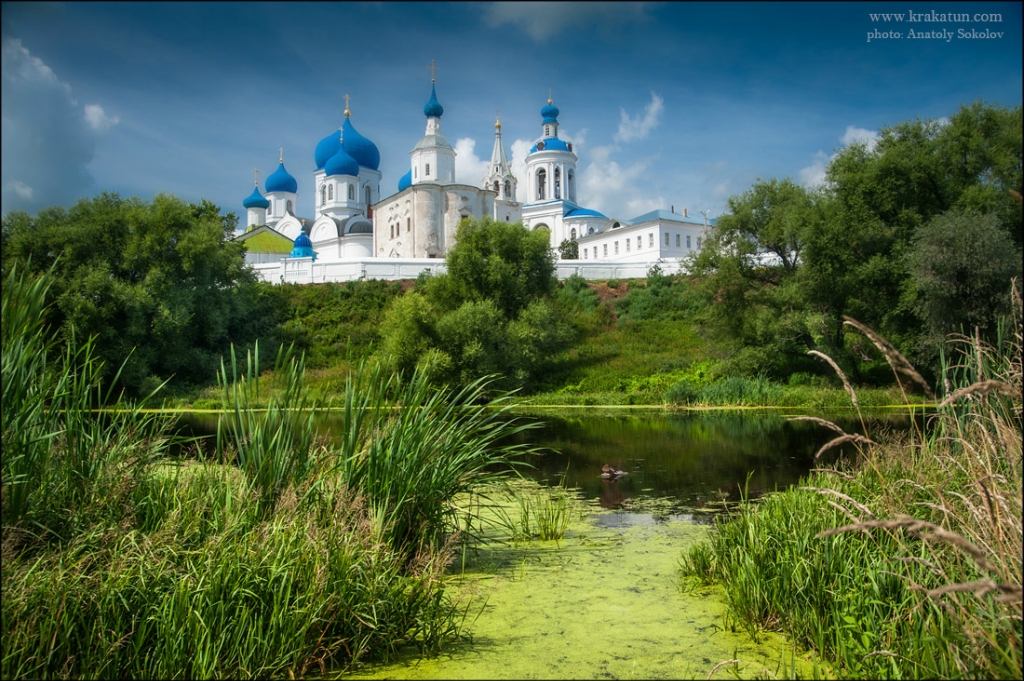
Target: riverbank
{"x": 908, "y": 564}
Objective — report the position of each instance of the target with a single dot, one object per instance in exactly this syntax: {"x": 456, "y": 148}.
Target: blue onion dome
{"x": 256, "y": 200}
{"x": 433, "y": 108}
{"x": 341, "y": 163}
{"x": 358, "y": 147}
{"x": 281, "y": 181}
{"x": 325, "y": 149}
{"x": 405, "y": 181}
{"x": 550, "y": 113}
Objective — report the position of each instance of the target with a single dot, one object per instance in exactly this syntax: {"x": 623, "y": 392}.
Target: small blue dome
{"x": 358, "y": 147}
{"x": 550, "y": 113}
{"x": 433, "y": 108}
{"x": 256, "y": 200}
{"x": 584, "y": 213}
{"x": 551, "y": 144}
{"x": 325, "y": 149}
{"x": 341, "y": 164}
{"x": 281, "y": 181}
{"x": 405, "y": 181}
{"x": 303, "y": 247}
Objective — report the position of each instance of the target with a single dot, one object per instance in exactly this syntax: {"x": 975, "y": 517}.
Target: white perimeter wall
{"x": 306, "y": 271}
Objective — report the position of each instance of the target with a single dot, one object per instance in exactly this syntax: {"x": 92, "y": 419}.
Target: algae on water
{"x": 603, "y": 603}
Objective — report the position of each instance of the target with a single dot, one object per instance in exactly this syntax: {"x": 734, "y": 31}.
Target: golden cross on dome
{"x": 256, "y": 176}
{"x": 282, "y": 155}
{"x": 432, "y": 70}
{"x": 347, "y": 112}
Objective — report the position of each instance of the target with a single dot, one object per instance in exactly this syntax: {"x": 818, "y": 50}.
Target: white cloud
{"x": 854, "y": 135}
{"x": 97, "y": 119}
{"x": 20, "y": 65}
{"x": 47, "y": 140}
{"x": 22, "y": 190}
{"x": 469, "y": 168}
{"x": 518, "y": 151}
{"x": 814, "y": 174}
{"x": 637, "y": 128}
{"x": 545, "y": 19}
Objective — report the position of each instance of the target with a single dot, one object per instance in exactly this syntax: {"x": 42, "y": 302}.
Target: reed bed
{"x": 907, "y": 562}
{"x": 278, "y": 555}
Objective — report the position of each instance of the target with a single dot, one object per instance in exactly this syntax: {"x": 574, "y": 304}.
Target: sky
{"x": 668, "y": 104}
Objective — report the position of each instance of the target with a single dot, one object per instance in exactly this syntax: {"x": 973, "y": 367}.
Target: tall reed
{"x": 120, "y": 561}
{"x": 911, "y": 565}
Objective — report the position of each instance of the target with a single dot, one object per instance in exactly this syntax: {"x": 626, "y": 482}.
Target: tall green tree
{"x": 159, "y": 283}
{"x": 490, "y": 314}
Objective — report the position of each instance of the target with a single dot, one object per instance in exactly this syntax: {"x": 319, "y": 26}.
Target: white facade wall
{"x": 307, "y": 271}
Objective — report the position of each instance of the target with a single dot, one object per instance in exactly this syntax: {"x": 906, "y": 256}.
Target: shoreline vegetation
{"x": 276, "y": 555}
{"x": 908, "y": 562}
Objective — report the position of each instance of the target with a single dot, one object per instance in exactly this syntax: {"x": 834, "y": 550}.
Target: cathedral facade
{"x": 354, "y": 221}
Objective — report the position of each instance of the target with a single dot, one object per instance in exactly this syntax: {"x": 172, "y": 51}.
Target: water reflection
{"x": 677, "y": 465}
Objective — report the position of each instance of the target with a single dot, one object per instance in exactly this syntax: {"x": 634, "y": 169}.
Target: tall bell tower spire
{"x": 499, "y": 176}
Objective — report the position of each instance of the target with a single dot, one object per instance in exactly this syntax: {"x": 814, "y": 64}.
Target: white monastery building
{"x": 359, "y": 233}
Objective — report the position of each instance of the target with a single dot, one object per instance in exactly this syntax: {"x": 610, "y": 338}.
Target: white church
{"x": 358, "y": 233}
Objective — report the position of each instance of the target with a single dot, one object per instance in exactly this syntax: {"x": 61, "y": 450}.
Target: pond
{"x": 605, "y": 602}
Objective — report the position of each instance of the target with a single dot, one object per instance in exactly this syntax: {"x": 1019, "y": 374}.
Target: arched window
{"x": 330, "y": 192}
{"x": 351, "y": 192}
{"x": 508, "y": 189}
{"x": 369, "y": 195}
{"x": 572, "y": 234}
{"x": 558, "y": 183}
{"x": 497, "y": 187}
{"x": 323, "y": 194}
{"x": 408, "y": 224}
{"x": 542, "y": 180}
{"x": 687, "y": 242}
{"x": 288, "y": 206}
{"x": 570, "y": 186}
{"x": 428, "y": 171}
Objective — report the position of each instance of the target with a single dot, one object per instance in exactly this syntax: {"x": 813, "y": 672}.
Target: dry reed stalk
{"x": 821, "y": 422}
{"x": 982, "y": 388}
{"x": 859, "y": 506}
{"x": 896, "y": 360}
{"x": 922, "y": 529}
{"x": 833, "y": 471}
{"x": 722, "y": 664}
{"x": 1008, "y": 593}
{"x": 852, "y": 437}
{"x": 839, "y": 372}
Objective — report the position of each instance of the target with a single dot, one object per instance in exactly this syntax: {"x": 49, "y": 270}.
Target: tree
{"x": 962, "y": 263}
{"x": 488, "y": 315}
{"x": 159, "y": 283}
{"x": 501, "y": 262}
{"x": 569, "y": 249}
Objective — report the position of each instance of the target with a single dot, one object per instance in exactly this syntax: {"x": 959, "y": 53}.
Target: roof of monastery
{"x": 264, "y": 239}
{"x": 668, "y": 215}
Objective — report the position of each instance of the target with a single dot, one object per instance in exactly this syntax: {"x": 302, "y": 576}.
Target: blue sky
{"x": 669, "y": 104}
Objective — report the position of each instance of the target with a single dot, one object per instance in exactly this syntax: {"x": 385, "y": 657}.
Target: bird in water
{"x": 611, "y": 473}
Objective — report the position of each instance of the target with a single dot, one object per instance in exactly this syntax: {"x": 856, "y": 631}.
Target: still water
{"x": 606, "y": 602}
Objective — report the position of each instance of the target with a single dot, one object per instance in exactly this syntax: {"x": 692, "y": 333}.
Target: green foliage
{"x": 300, "y": 557}
{"x": 501, "y": 262}
{"x": 962, "y": 263}
{"x": 784, "y": 265}
{"x": 569, "y": 249}
{"x": 158, "y": 284}
{"x": 489, "y": 315}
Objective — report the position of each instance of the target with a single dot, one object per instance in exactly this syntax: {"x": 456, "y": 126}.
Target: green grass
{"x": 277, "y": 556}
{"x": 908, "y": 565}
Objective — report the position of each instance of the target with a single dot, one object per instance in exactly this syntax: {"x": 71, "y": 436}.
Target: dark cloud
{"x": 47, "y": 142}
